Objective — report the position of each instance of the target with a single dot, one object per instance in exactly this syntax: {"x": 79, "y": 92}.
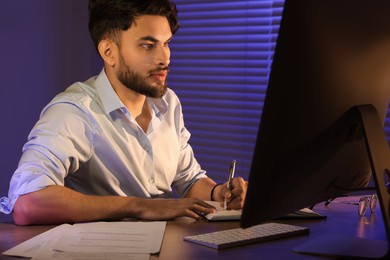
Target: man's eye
{"x": 147, "y": 46}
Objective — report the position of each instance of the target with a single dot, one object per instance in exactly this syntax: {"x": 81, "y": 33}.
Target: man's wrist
{"x": 212, "y": 191}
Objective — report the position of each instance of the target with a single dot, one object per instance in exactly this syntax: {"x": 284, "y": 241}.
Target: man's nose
{"x": 163, "y": 56}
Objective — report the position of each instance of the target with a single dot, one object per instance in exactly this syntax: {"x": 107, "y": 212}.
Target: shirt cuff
{"x": 5, "y": 205}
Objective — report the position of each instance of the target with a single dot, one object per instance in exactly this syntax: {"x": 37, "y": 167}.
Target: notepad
{"x": 223, "y": 214}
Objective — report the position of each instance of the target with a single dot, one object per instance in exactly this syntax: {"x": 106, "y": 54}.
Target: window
{"x": 220, "y": 65}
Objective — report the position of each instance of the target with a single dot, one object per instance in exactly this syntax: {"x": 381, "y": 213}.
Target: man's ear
{"x": 107, "y": 50}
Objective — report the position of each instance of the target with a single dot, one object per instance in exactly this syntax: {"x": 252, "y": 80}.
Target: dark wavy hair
{"x": 107, "y": 18}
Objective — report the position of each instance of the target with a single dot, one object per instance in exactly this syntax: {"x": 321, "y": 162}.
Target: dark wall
{"x": 45, "y": 47}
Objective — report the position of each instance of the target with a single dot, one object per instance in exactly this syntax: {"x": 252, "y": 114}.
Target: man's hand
{"x": 165, "y": 209}
{"x": 235, "y": 197}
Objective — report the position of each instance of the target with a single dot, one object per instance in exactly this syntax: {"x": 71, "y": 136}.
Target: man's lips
{"x": 160, "y": 75}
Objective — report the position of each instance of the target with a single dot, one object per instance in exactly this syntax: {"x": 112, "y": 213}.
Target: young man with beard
{"x": 114, "y": 146}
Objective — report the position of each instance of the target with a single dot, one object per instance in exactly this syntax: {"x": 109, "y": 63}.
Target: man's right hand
{"x": 165, "y": 209}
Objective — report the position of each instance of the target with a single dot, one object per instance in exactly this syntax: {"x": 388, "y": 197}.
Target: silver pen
{"x": 230, "y": 179}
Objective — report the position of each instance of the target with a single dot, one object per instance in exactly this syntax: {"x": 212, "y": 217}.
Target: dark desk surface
{"x": 342, "y": 219}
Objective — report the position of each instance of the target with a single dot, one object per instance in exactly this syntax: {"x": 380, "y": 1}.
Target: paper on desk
{"x": 147, "y": 234}
{"x": 31, "y": 247}
{"x": 91, "y": 256}
{"x": 46, "y": 253}
{"x": 222, "y": 214}
{"x": 112, "y": 237}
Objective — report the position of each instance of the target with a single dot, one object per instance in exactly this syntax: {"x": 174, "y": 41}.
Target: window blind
{"x": 220, "y": 65}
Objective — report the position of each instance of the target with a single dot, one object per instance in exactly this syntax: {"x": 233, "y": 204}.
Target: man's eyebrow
{"x": 152, "y": 39}
{"x": 148, "y": 38}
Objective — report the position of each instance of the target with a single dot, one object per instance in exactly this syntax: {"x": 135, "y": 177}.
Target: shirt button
{"x": 151, "y": 180}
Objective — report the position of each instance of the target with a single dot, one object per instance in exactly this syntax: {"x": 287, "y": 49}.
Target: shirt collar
{"x": 159, "y": 105}
{"x": 111, "y": 101}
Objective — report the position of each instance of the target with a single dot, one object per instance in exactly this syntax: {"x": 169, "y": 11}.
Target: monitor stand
{"x": 379, "y": 156}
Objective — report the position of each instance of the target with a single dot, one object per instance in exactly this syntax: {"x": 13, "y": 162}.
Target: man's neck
{"x": 136, "y": 103}
{"x": 131, "y": 99}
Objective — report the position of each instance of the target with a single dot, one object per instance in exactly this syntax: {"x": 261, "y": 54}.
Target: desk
{"x": 342, "y": 219}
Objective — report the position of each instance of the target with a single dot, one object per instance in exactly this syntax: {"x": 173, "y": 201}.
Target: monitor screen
{"x": 331, "y": 62}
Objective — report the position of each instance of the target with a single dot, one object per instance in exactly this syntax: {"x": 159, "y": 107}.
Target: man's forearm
{"x": 201, "y": 189}
{"x": 58, "y": 204}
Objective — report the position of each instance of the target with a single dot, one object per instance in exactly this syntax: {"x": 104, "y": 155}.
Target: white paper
{"x": 50, "y": 254}
{"x": 32, "y": 246}
{"x": 97, "y": 241}
{"x": 112, "y": 237}
{"x": 222, "y": 214}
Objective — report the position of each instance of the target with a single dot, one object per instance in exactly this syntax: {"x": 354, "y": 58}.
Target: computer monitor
{"x": 321, "y": 133}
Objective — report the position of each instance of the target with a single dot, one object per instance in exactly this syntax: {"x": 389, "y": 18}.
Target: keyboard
{"x": 238, "y": 236}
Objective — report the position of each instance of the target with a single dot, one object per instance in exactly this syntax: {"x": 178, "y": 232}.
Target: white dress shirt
{"x": 87, "y": 140}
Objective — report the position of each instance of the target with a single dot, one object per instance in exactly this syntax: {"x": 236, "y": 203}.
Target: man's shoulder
{"x": 79, "y": 95}
{"x": 78, "y": 92}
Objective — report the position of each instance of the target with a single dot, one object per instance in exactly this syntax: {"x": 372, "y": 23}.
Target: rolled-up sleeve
{"x": 55, "y": 147}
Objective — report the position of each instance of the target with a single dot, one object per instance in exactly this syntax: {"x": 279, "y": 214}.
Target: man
{"x": 113, "y": 146}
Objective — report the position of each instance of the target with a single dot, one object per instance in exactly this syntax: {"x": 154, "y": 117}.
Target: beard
{"x": 136, "y": 82}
